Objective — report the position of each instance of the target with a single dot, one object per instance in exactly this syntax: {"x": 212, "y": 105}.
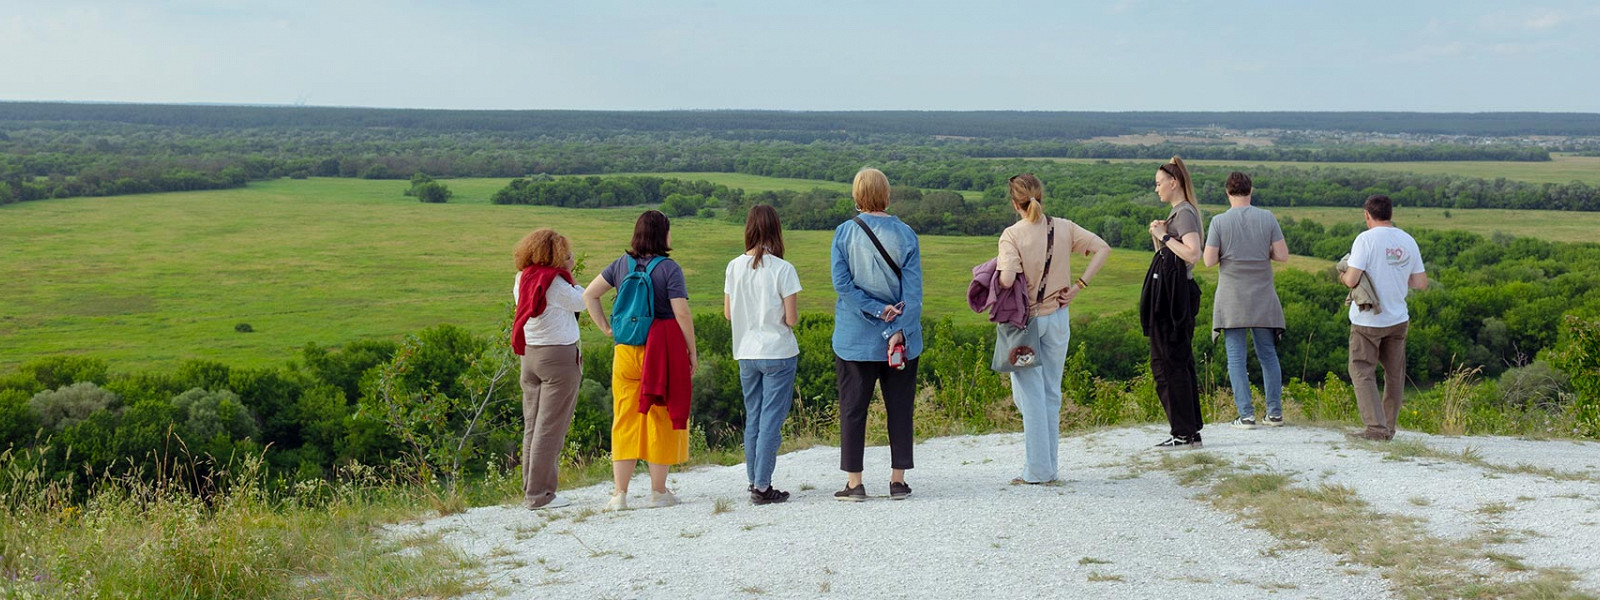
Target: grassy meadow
{"x": 150, "y": 280}
{"x": 1552, "y": 225}
{"x": 1562, "y": 168}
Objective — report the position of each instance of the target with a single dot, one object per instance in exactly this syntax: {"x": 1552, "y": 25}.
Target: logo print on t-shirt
{"x": 1396, "y": 257}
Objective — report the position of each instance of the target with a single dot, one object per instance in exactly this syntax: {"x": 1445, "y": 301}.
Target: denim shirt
{"x": 865, "y": 284}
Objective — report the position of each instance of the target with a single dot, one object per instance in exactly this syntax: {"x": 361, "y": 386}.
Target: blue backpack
{"x": 634, "y": 310}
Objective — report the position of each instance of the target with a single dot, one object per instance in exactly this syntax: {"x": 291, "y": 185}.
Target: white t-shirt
{"x": 556, "y": 326}
{"x": 755, "y": 303}
{"x": 1389, "y": 256}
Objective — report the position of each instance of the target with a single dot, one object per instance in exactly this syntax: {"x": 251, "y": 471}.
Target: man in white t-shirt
{"x": 1389, "y": 258}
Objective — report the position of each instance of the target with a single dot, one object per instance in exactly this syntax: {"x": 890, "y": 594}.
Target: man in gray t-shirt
{"x": 1242, "y": 243}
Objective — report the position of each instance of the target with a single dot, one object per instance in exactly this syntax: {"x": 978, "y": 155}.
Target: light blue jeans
{"x": 1037, "y": 393}
{"x": 1239, "y": 373}
{"x": 768, "y": 394}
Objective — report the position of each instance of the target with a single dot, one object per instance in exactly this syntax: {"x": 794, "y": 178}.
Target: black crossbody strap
{"x": 1050, "y": 255}
{"x": 879, "y": 245}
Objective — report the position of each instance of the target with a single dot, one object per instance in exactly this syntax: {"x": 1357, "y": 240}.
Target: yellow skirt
{"x": 635, "y": 435}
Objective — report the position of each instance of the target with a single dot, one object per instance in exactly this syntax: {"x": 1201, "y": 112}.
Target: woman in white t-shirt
{"x": 760, "y": 297}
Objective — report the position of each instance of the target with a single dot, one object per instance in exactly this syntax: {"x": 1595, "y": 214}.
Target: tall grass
{"x": 141, "y": 537}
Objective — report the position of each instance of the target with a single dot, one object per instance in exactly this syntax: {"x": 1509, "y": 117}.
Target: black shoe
{"x": 1179, "y": 442}
{"x": 771, "y": 496}
{"x": 851, "y": 494}
{"x": 898, "y": 490}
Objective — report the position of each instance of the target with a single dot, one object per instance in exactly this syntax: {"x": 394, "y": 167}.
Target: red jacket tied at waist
{"x": 531, "y": 291}
{"x": 665, "y": 375}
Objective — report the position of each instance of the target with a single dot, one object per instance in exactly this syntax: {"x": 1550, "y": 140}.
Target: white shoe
{"x": 618, "y": 501}
{"x": 556, "y": 502}
{"x": 662, "y": 499}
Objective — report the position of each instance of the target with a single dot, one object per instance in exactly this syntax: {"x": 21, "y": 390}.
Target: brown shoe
{"x": 1365, "y": 437}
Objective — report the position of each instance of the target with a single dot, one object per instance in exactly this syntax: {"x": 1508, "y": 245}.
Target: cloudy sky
{"x": 1464, "y": 55}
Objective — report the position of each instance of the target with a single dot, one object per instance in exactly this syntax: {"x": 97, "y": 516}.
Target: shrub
{"x": 1537, "y": 385}
{"x": 205, "y": 415}
{"x": 432, "y": 192}
{"x": 243, "y": 328}
{"x": 17, "y": 422}
{"x": 70, "y": 404}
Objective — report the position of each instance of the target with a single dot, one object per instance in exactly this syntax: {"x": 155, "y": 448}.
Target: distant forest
{"x": 65, "y": 150}
{"x": 979, "y": 124}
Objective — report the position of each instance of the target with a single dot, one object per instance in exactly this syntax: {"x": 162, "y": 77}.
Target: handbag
{"x": 1017, "y": 348}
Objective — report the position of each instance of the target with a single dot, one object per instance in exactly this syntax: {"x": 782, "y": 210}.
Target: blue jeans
{"x": 1239, "y": 374}
{"x": 768, "y": 393}
{"x": 1037, "y": 393}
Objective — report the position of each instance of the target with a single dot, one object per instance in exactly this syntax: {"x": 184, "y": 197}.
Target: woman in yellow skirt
{"x": 649, "y": 382}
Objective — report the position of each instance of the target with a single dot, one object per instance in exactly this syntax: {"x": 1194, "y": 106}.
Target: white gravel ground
{"x": 1107, "y": 531}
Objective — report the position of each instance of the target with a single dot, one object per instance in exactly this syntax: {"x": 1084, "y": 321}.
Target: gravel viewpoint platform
{"x": 1114, "y": 526}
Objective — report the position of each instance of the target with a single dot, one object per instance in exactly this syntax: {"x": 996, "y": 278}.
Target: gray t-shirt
{"x": 1184, "y": 220}
{"x": 666, "y": 281}
{"x": 1245, "y": 297}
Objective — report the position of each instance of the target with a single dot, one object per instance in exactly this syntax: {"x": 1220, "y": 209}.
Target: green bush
{"x": 205, "y": 415}
{"x": 17, "y": 423}
{"x": 63, "y": 407}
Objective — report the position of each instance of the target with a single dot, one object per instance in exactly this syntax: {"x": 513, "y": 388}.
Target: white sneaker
{"x": 1243, "y": 423}
{"x": 556, "y": 502}
{"x": 662, "y": 499}
{"x": 618, "y": 501}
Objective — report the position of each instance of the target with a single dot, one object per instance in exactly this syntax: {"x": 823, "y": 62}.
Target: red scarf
{"x": 531, "y": 301}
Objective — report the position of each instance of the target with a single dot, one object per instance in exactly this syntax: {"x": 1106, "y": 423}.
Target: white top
{"x": 557, "y": 325}
{"x": 755, "y": 303}
{"x": 1389, "y": 256}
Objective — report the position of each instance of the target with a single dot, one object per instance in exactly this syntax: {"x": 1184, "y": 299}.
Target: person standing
{"x": 545, "y": 334}
{"x": 1040, "y": 249}
{"x": 761, "y": 299}
{"x": 650, "y": 381}
{"x": 1168, "y": 304}
{"x": 1389, "y": 259}
{"x": 877, "y": 330}
{"x": 1243, "y": 243}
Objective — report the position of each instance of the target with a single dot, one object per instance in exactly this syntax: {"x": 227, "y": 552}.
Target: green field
{"x": 1552, "y": 225}
{"x": 149, "y": 280}
{"x": 1562, "y": 168}
{"x": 758, "y": 183}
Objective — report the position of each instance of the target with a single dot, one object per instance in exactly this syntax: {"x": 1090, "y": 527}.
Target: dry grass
{"x": 1334, "y": 517}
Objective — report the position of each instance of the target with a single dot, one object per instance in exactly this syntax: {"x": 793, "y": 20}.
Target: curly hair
{"x": 543, "y": 247}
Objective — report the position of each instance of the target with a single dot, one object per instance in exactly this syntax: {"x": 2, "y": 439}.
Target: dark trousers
{"x": 1178, "y": 386}
{"x": 856, "y": 380}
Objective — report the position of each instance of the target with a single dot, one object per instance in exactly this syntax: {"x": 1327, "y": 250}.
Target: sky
{"x": 1110, "y": 55}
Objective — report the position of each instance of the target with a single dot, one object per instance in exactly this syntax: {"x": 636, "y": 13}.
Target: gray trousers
{"x": 550, "y": 379}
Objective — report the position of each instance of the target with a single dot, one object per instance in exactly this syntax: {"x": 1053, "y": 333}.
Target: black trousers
{"x": 1177, "y": 384}
{"x": 856, "y": 380}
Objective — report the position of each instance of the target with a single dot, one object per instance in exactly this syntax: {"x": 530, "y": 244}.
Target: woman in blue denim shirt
{"x": 878, "y": 309}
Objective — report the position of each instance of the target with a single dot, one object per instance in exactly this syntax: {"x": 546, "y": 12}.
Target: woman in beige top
{"x": 1041, "y": 248}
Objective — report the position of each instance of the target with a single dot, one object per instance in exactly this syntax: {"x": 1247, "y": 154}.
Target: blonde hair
{"x": 543, "y": 247}
{"x": 1027, "y": 195}
{"x": 871, "y": 190}
{"x": 1176, "y": 170}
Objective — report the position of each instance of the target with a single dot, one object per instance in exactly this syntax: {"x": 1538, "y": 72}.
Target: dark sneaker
{"x": 771, "y": 496}
{"x": 898, "y": 490}
{"x": 1243, "y": 423}
{"x": 851, "y": 494}
{"x": 1179, "y": 442}
{"x": 1273, "y": 421}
